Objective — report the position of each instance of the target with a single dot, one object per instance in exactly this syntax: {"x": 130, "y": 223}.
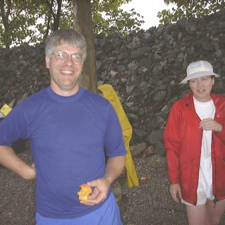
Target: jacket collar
{"x": 189, "y": 99}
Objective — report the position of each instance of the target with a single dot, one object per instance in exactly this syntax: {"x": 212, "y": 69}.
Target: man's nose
{"x": 69, "y": 60}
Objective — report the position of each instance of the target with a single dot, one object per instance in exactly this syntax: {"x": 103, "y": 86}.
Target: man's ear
{"x": 47, "y": 59}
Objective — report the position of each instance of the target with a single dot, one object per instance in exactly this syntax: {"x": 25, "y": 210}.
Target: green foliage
{"x": 30, "y": 21}
{"x": 109, "y": 18}
{"x": 16, "y": 19}
{"x": 184, "y": 9}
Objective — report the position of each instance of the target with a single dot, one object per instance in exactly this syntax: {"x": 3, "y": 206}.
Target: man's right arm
{"x": 10, "y": 160}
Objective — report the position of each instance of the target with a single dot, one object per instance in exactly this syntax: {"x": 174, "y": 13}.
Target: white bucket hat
{"x": 198, "y": 69}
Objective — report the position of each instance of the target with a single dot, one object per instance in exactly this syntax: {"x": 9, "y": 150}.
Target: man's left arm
{"x": 115, "y": 152}
{"x": 114, "y": 168}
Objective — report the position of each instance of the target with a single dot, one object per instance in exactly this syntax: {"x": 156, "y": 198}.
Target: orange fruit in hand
{"x": 84, "y": 192}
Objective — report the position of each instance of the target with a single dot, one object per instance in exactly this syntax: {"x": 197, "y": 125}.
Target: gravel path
{"x": 147, "y": 204}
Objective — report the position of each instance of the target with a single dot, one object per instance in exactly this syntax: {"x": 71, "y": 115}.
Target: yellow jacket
{"x": 110, "y": 94}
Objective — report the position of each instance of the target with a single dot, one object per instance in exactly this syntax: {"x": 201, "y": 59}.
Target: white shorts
{"x": 201, "y": 198}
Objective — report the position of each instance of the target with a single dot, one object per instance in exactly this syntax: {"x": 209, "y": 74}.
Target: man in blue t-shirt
{"x": 71, "y": 131}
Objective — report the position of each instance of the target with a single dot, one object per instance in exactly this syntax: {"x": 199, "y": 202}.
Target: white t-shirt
{"x": 205, "y": 110}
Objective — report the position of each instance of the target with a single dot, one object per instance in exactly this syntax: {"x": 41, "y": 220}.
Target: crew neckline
{"x": 202, "y": 103}
{"x": 64, "y": 99}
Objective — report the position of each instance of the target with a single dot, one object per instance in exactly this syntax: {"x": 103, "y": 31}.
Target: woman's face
{"x": 201, "y": 88}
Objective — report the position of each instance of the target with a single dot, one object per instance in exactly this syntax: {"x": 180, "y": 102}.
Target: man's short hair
{"x": 68, "y": 36}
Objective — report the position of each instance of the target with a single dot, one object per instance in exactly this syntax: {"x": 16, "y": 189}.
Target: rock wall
{"x": 145, "y": 69}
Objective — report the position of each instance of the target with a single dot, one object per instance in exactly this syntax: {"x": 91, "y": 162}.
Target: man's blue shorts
{"x": 107, "y": 214}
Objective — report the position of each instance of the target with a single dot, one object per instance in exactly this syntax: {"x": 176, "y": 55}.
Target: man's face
{"x": 201, "y": 88}
{"x": 64, "y": 74}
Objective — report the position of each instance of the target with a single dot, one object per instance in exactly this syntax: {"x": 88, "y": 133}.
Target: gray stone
{"x": 137, "y": 149}
{"x": 155, "y": 136}
{"x": 145, "y": 68}
{"x": 159, "y": 148}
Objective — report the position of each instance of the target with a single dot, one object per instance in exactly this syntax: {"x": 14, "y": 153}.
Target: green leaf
{"x": 30, "y": 21}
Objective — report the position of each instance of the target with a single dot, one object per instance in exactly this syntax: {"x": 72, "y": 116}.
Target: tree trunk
{"x": 57, "y": 16}
{"x": 83, "y": 24}
{"x": 5, "y": 18}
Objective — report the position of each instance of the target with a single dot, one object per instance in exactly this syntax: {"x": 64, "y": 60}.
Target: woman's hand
{"x": 175, "y": 192}
{"x": 210, "y": 124}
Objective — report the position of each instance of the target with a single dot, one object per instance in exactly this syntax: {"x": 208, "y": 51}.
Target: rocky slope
{"x": 145, "y": 69}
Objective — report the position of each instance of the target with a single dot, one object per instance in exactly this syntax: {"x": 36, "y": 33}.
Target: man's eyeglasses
{"x": 62, "y": 57}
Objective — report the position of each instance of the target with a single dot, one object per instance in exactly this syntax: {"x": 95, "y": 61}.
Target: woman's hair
{"x": 68, "y": 36}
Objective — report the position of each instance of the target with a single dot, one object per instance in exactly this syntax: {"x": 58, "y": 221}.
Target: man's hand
{"x": 30, "y": 174}
{"x": 175, "y": 192}
{"x": 114, "y": 168}
{"x": 210, "y": 124}
{"x": 99, "y": 194}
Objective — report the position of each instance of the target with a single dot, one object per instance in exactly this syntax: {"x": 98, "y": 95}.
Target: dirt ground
{"x": 147, "y": 204}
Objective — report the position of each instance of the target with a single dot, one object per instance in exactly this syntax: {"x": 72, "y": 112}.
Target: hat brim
{"x": 198, "y": 74}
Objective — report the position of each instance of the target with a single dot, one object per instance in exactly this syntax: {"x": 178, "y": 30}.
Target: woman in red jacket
{"x": 194, "y": 139}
